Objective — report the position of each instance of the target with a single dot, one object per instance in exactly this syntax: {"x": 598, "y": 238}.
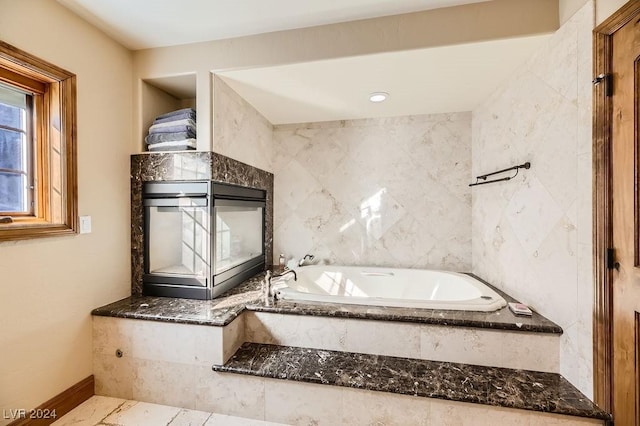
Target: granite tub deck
{"x": 501, "y": 387}
{"x": 247, "y": 296}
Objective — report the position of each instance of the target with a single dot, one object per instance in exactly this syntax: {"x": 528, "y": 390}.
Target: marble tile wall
{"x": 160, "y": 362}
{"x": 239, "y": 130}
{"x": 386, "y": 192}
{"x": 532, "y": 235}
{"x": 495, "y": 348}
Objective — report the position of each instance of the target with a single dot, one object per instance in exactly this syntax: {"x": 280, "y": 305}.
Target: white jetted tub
{"x": 407, "y": 288}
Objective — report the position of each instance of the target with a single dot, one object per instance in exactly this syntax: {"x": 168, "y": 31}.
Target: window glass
{"x": 14, "y": 151}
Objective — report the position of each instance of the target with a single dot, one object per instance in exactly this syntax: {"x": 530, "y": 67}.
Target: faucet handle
{"x": 306, "y": 257}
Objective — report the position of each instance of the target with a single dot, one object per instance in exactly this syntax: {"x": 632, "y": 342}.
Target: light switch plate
{"x": 85, "y": 224}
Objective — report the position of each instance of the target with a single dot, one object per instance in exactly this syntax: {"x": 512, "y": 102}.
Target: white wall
{"x": 375, "y": 192}
{"x": 239, "y": 131}
{"x": 532, "y": 236}
{"x": 49, "y": 286}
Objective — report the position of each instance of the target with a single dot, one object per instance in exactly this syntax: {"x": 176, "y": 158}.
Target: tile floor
{"x": 103, "y": 410}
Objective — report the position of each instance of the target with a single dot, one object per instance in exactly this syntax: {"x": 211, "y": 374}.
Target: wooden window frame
{"x": 54, "y": 133}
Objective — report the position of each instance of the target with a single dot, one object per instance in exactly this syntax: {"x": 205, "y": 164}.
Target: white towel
{"x": 185, "y": 144}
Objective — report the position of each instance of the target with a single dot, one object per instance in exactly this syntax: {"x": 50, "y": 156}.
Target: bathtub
{"x": 407, "y": 288}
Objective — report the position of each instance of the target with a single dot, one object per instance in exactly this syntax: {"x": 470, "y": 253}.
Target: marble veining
{"x": 217, "y": 312}
{"x": 539, "y": 224}
{"x": 199, "y": 165}
{"x": 528, "y": 390}
{"x": 239, "y": 130}
{"x": 221, "y": 311}
{"x": 376, "y": 192}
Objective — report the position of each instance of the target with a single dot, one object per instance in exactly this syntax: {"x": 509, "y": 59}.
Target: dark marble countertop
{"x": 503, "y": 387}
{"x": 222, "y": 310}
{"x": 217, "y": 312}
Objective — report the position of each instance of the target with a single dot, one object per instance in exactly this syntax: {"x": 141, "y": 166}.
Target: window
{"x": 37, "y": 147}
{"x": 16, "y": 146}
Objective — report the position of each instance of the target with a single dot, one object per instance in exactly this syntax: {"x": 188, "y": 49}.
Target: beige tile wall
{"x": 387, "y": 192}
{"x": 532, "y": 236}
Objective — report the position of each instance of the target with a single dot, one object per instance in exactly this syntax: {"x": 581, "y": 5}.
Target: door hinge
{"x": 608, "y": 83}
{"x": 611, "y": 260}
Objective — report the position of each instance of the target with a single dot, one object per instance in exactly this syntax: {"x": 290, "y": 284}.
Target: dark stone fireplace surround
{"x": 196, "y": 165}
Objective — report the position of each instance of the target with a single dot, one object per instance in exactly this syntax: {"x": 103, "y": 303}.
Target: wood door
{"x": 625, "y": 170}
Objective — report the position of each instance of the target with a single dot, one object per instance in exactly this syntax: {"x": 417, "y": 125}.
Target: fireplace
{"x": 201, "y": 237}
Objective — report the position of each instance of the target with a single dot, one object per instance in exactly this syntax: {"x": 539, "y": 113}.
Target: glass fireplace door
{"x": 179, "y": 233}
{"x": 239, "y": 235}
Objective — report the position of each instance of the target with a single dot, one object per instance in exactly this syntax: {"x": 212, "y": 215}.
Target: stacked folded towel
{"x": 173, "y": 131}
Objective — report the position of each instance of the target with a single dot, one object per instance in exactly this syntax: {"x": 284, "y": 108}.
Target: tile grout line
{"x": 180, "y": 410}
{"x": 208, "y": 418}
{"x": 102, "y": 422}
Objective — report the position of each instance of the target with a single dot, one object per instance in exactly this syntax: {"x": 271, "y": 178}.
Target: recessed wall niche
{"x": 164, "y": 94}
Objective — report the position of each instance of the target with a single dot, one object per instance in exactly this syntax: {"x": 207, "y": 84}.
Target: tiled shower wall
{"x": 387, "y": 192}
{"x": 532, "y": 236}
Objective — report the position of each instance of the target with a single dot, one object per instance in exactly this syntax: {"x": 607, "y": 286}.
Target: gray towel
{"x": 173, "y": 129}
{"x": 181, "y": 116}
{"x": 190, "y": 111}
{"x": 169, "y": 137}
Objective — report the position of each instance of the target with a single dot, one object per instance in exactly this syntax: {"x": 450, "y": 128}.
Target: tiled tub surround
{"x": 466, "y": 344}
{"x": 493, "y": 339}
{"x": 224, "y": 309}
{"x": 539, "y": 224}
{"x": 376, "y": 192}
{"x": 160, "y": 362}
{"x": 201, "y": 165}
{"x": 166, "y": 361}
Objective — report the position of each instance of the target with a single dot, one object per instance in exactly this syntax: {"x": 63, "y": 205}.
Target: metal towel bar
{"x": 526, "y": 165}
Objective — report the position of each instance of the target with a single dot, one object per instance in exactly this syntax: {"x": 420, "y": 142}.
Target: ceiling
{"x": 142, "y": 24}
{"x": 421, "y": 81}
{"x": 424, "y": 81}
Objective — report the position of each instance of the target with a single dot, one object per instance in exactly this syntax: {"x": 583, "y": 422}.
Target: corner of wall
{"x": 239, "y": 130}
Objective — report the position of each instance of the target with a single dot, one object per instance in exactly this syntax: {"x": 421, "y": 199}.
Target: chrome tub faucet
{"x": 268, "y": 285}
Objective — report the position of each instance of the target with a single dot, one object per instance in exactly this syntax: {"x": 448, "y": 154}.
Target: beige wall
{"x": 567, "y": 8}
{"x": 604, "y": 8}
{"x": 484, "y": 21}
{"x": 49, "y": 286}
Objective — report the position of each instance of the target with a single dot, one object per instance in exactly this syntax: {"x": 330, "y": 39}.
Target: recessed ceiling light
{"x": 378, "y": 96}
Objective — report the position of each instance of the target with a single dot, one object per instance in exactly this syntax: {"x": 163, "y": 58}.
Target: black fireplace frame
{"x": 208, "y": 194}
